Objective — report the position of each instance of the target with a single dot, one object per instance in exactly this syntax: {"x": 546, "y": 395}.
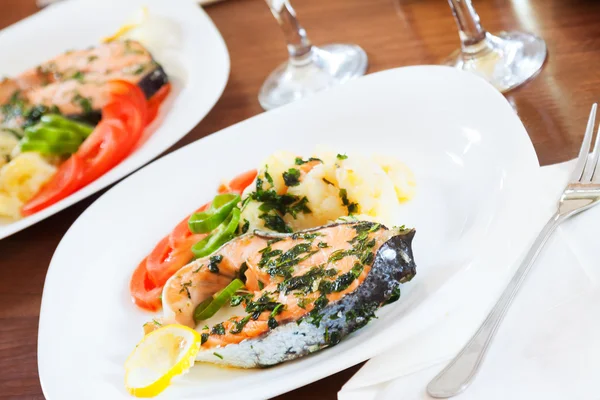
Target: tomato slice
{"x": 239, "y": 183}
{"x": 181, "y": 233}
{"x": 164, "y": 261}
{"x": 119, "y": 89}
{"x": 63, "y": 183}
{"x": 155, "y": 101}
{"x": 128, "y": 104}
{"x": 102, "y": 150}
{"x": 144, "y": 293}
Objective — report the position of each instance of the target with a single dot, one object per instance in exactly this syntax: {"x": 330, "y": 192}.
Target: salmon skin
{"x": 74, "y": 83}
{"x": 304, "y": 291}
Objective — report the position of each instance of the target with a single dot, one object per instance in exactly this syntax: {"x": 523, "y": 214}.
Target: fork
{"x": 580, "y": 194}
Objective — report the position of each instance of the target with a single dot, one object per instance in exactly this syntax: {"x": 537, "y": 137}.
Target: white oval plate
{"x": 196, "y": 60}
{"x": 468, "y": 150}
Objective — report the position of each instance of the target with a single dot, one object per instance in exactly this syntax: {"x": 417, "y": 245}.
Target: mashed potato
{"x": 324, "y": 188}
{"x": 20, "y": 180}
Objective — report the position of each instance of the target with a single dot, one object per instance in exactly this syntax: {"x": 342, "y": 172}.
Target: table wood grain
{"x": 394, "y": 33}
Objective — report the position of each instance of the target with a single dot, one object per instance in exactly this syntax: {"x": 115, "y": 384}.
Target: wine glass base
{"x": 505, "y": 60}
{"x": 323, "y": 67}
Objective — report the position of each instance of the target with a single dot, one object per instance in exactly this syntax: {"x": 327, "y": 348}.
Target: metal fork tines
{"x": 581, "y": 193}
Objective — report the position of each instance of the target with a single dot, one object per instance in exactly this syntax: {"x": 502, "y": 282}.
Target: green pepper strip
{"x": 219, "y": 236}
{"x": 207, "y": 221}
{"x": 58, "y": 121}
{"x": 46, "y": 148}
{"x": 210, "y": 306}
{"x": 51, "y": 134}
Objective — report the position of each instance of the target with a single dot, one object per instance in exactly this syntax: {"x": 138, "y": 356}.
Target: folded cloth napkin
{"x": 549, "y": 343}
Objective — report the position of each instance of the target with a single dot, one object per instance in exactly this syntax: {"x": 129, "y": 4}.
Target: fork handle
{"x": 457, "y": 376}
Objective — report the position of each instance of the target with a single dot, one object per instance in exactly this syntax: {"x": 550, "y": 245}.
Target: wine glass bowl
{"x": 321, "y": 68}
{"x": 506, "y": 60}
{"x": 309, "y": 69}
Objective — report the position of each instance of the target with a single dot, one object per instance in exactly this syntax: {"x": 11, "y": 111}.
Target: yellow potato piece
{"x": 24, "y": 175}
{"x": 10, "y": 206}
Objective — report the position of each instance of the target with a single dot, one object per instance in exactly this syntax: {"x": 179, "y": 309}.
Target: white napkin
{"x": 549, "y": 343}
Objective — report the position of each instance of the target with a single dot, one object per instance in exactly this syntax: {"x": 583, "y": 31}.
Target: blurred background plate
{"x": 192, "y": 53}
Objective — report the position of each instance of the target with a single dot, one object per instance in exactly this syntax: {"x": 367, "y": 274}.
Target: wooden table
{"x": 553, "y": 107}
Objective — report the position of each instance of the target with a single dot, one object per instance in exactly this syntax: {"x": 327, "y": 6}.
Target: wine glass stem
{"x": 299, "y": 47}
{"x": 472, "y": 35}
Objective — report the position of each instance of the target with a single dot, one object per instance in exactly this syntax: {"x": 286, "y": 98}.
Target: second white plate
{"x": 192, "y": 53}
{"x": 465, "y": 144}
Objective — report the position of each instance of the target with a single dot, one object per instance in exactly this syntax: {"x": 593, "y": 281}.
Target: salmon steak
{"x": 74, "y": 83}
{"x": 303, "y": 292}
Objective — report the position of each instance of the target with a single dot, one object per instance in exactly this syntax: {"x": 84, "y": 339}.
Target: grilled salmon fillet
{"x": 73, "y": 83}
{"x": 304, "y": 291}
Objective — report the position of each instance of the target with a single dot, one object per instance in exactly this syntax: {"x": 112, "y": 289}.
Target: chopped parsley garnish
{"x": 332, "y": 338}
{"x": 130, "y": 50}
{"x": 198, "y": 269}
{"x": 238, "y": 299}
{"x": 352, "y": 207}
{"x": 275, "y": 223}
{"x": 322, "y": 245}
{"x": 242, "y": 272}
{"x": 272, "y": 323}
{"x": 395, "y": 295}
{"x": 214, "y": 262}
{"x": 92, "y": 58}
{"x": 139, "y": 69}
{"x": 246, "y": 226}
{"x": 263, "y": 303}
{"x": 84, "y": 102}
{"x": 328, "y": 182}
{"x": 78, "y": 76}
{"x": 300, "y": 161}
{"x": 218, "y": 355}
{"x": 277, "y": 310}
{"x": 218, "y": 329}
{"x": 291, "y": 177}
{"x": 305, "y": 283}
{"x": 341, "y": 156}
{"x": 279, "y": 263}
{"x": 275, "y": 206}
{"x": 185, "y": 286}
{"x": 239, "y": 325}
{"x": 268, "y": 177}
{"x": 203, "y": 338}
{"x": 261, "y": 285}
{"x": 314, "y": 317}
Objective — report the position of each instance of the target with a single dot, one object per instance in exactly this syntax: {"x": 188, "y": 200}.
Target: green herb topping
{"x": 291, "y": 177}
{"x": 218, "y": 329}
{"x": 214, "y": 262}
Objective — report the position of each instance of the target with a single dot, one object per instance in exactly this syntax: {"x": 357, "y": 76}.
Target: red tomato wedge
{"x": 128, "y": 104}
{"x": 182, "y": 233}
{"x": 63, "y": 183}
{"x": 102, "y": 150}
{"x": 144, "y": 292}
{"x": 155, "y": 101}
{"x": 165, "y": 260}
{"x": 239, "y": 183}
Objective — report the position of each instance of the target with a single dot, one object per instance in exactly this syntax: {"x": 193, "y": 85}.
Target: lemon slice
{"x": 138, "y": 19}
{"x": 160, "y": 355}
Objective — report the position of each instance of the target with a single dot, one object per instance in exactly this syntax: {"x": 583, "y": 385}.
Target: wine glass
{"x": 506, "y": 60}
{"x": 309, "y": 69}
